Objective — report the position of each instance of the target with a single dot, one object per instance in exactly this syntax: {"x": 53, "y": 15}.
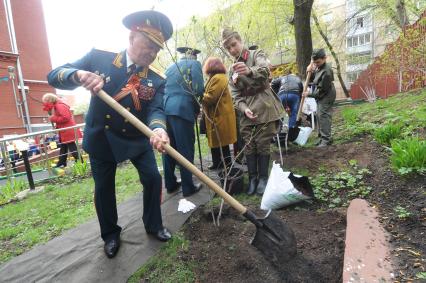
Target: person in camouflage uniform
{"x": 323, "y": 92}
{"x": 259, "y": 106}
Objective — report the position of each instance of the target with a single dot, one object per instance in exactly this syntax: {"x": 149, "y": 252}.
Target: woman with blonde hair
{"x": 219, "y": 111}
{"x": 60, "y": 114}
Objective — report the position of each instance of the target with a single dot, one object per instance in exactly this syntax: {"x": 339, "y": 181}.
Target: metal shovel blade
{"x": 274, "y": 238}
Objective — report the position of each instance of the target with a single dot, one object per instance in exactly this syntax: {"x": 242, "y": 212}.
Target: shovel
{"x": 302, "y": 101}
{"x": 273, "y": 238}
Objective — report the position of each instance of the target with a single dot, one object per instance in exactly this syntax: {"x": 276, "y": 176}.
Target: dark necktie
{"x": 131, "y": 69}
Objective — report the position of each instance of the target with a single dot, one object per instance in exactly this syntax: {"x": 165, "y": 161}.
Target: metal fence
{"x": 33, "y": 153}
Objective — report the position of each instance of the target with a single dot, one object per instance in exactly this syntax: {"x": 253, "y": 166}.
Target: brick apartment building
{"x": 24, "y": 50}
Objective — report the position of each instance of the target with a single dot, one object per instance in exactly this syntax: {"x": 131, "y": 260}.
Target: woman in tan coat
{"x": 219, "y": 111}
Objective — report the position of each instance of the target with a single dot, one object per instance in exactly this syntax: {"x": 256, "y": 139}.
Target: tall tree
{"x": 330, "y": 47}
{"x": 302, "y": 33}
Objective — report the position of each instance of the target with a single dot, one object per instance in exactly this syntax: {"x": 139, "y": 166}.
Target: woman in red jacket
{"x": 60, "y": 114}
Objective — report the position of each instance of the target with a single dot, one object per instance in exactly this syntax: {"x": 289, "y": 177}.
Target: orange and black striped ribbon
{"x": 131, "y": 87}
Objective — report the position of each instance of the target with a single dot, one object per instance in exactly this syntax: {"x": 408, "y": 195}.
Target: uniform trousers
{"x": 258, "y": 137}
{"x": 105, "y": 200}
{"x": 182, "y": 138}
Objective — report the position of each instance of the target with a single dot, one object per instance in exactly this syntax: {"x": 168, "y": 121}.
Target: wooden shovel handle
{"x": 172, "y": 152}
{"x": 305, "y": 87}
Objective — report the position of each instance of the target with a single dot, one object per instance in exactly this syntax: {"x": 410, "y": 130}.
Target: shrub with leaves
{"x": 337, "y": 189}
{"x": 384, "y": 135}
{"x": 401, "y": 212}
{"x": 409, "y": 155}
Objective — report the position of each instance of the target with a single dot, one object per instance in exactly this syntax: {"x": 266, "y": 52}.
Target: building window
{"x": 360, "y": 22}
{"x": 358, "y": 40}
{"x": 367, "y": 38}
{"x": 359, "y": 58}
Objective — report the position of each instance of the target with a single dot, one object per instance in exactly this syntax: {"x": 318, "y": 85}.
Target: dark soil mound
{"x": 224, "y": 253}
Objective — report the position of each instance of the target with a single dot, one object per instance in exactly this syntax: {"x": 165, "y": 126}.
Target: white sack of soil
{"x": 303, "y": 136}
{"x": 284, "y": 188}
{"x": 309, "y": 106}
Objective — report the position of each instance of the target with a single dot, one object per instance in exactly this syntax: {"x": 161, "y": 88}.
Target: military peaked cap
{"x": 155, "y": 25}
{"x": 188, "y": 50}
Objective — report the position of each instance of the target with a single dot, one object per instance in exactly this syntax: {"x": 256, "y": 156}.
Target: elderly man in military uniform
{"x": 260, "y": 107}
{"x": 184, "y": 87}
{"x": 108, "y": 138}
{"x": 323, "y": 92}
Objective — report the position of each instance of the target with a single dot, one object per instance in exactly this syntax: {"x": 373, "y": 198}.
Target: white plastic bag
{"x": 280, "y": 191}
{"x": 303, "y": 136}
{"x": 309, "y": 106}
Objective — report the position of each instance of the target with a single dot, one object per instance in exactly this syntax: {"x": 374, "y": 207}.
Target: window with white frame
{"x": 358, "y": 40}
{"x": 359, "y": 58}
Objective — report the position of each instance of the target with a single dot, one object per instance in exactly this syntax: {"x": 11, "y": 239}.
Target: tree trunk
{"x": 393, "y": 15}
{"x": 401, "y": 11}
{"x": 302, "y": 33}
{"x": 336, "y": 59}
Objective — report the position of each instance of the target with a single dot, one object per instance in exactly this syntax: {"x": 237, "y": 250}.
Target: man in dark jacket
{"x": 289, "y": 88}
{"x": 184, "y": 86}
{"x": 323, "y": 92}
{"x": 109, "y": 138}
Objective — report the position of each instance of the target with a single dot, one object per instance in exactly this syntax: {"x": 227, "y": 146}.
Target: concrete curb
{"x": 367, "y": 252}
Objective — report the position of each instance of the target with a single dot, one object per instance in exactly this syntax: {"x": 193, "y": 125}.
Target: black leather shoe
{"x": 196, "y": 189}
{"x": 162, "y": 235}
{"x": 176, "y": 188}
{"x": 111, "y": 248}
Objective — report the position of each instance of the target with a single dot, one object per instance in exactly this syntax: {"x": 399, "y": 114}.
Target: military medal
{"x": 150, "y": 83}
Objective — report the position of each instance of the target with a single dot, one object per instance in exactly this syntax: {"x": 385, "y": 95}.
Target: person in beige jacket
{"x": 262, "y": 109}
{"x": 218, "y": 107}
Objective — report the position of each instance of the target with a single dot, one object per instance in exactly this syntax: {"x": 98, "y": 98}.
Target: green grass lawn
{"x": 45, "y": 215}
{"x": 405, "y": 109}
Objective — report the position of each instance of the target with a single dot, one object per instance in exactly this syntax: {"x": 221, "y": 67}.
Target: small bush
{"x": 409, "y": 155}
{"x": 401, "y": 212}
{"x": 384, "y": 135}
{"x": 80, "y": 169}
